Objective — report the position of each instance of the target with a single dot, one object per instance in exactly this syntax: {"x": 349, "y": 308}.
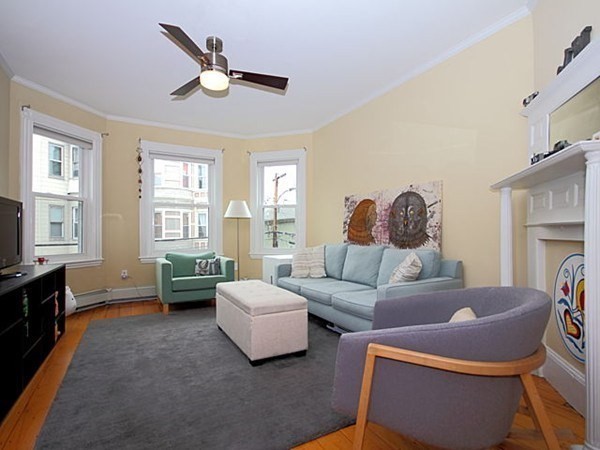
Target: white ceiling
{"x": 112, "y": 56}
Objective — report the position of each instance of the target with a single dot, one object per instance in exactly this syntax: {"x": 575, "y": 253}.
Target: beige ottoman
{"x": 261, "y": 319}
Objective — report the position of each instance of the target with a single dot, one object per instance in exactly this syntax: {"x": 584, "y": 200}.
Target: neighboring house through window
{"x": 55, "y": 156}
{"x": 277, "y": 201}
{"x": 176, "y": 212}
{"x": 60, "y": 172}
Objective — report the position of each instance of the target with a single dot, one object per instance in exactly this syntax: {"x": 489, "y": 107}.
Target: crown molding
{"x": 463, "y": 45}
{"x": 63, "y": 98}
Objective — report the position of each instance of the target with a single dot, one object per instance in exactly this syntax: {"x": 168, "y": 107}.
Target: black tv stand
{"x": 6, "y": 276}
{"x": 32, "y": 320}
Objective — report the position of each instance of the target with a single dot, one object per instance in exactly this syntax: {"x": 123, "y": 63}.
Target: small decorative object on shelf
{"x": 537, "y": 158}
{"x": 560, "y": 145}
{"x": 578, "y": 44}
{"x": 41, "y": 260}
{"x": 529, "y": 99}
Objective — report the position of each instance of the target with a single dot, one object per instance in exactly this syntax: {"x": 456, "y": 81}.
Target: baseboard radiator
{"x": 101, "y": 297}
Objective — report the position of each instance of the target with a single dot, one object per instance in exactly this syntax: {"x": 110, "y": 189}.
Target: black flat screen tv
{"x": 10, "y": 232}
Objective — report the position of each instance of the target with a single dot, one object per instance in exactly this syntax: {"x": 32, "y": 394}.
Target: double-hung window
{"x": 61, "y": 190}
{"x": 277, "y": 199}
{"x": 180, "y": 209}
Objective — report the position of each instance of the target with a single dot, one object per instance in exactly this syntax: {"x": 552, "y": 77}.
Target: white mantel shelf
{"x": 561, "y": 164}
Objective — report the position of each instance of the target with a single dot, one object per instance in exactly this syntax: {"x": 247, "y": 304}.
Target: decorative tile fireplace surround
{"x": 563, "y": 204}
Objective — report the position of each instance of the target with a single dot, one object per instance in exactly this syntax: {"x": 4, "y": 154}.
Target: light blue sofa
{"x": 357, "y": 277}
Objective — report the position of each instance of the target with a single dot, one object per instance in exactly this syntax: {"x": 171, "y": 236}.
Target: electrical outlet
{"x": 124, "y": 274}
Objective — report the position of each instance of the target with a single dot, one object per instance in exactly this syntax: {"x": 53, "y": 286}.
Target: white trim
{"x": 63, "y": 98}
{"x": 91, "y": 187}
{"x": 282, "y": 156}
{"x": 565, "y": 378}
{"x": 150, "y": 149}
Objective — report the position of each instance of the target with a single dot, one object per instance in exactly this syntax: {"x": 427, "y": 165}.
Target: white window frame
{"x": 159, "y": 150}
{"x": 90, "y": 189}
{"x": 283, "y": 157}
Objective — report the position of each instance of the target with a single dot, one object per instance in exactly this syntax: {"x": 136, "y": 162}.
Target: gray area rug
{"x": 159, "y": 382}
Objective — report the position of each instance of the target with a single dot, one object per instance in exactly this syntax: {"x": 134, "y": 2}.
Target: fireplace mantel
{"x": 563, "y": 200}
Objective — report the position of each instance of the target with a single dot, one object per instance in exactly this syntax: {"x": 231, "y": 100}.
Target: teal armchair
{"x": 176, "y": 281}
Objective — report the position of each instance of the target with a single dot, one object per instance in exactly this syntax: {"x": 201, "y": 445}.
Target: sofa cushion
{"x": 322, "y": 292}
{"x": 195, "y": 283}
{"x": 184, "y": 264}
{"x": 393, "y": 256}
{"x": 362, "y": 264}
{"x": 360, "y": 304}
{"x": 407, "y": 270}
{"x": 309, "y": 263}
{"x": 294, "y": 284}
{"x": 335, "y": 255}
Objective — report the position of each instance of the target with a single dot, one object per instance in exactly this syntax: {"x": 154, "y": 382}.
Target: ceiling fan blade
{"x": 181, "y": 37}
{"x": 260, "y": 78}
{"x": 187, "y": 87}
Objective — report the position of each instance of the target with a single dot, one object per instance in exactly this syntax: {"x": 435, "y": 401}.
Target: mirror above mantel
{"x": 578, "y": 118}
{"x": 548, "y": 115}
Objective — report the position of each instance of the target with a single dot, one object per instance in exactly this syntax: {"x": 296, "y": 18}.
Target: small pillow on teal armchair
{"x": 184, "y": 264}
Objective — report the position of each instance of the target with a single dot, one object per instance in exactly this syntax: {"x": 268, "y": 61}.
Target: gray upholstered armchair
{"x": 470, "y": 392}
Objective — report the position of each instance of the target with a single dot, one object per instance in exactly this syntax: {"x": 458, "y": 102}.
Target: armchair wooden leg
{"x": 364, "y": 401}
{"x": 165, "y": 308}
{"x": 538, "y": 412}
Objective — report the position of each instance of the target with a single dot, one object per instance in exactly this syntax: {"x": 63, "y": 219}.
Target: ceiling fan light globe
{"x": 214, "y": 80}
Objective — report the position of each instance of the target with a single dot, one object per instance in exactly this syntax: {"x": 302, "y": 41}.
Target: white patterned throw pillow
{"x": 407, "y": 270}
{"x": 208, "y": 267}
{"x": 309, "y": 263}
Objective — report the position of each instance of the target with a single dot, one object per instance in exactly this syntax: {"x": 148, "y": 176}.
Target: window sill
{"x": 81, "y": 263}
{"x": 287, "y": 253}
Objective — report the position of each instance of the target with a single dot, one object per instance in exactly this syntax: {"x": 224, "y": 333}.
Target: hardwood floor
{"x": 20, "y": 428}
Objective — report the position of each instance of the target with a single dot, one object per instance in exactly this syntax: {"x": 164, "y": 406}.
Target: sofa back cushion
{"x": 362, "y": 264}
{"x": 394, "y": 256}
{"x": 335, "y": 255}
{"x": 184, "y": 264}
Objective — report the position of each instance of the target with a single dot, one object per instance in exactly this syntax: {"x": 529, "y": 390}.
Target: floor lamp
{"x": 238, "y": 209}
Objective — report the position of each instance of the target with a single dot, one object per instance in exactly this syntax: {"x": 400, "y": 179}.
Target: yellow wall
{"x": 120, "y": 213}
{"x": 555, "y": 24}
{"x": 4, "y": 130}
{"x": 459, "y": 123}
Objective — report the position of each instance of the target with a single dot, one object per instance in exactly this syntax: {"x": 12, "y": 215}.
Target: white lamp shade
{"x": 214, "y": 80}
{"x": 238, "y": 209}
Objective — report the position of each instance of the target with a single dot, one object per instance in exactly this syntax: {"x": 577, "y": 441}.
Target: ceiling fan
{"x": 214, "y": 71}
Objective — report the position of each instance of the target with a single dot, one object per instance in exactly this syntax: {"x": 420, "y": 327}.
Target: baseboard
{"x": 105, "y": 296}
{"x": 567, "y": 380}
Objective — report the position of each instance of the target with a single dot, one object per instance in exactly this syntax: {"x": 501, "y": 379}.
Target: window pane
{"x": 279, "y": 185}
{"x": 74, "y": 162}
{"x": 203, "y": 224}
{"x": 178, "y": 200}
{"x": 158, "y": 228}
{"x": 51, "y": 162}
{"x": 52, "y": 225}
{"x": 279, "y": 227}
